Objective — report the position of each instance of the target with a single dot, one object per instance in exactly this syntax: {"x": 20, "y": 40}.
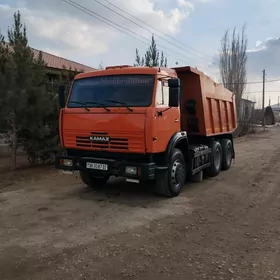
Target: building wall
{"x": 276, "y": 114}
{"x": 246, "y": 109}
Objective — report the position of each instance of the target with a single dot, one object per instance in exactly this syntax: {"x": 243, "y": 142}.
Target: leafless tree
{"x": 100, "y": 66}
{"x": 233, "y": 60}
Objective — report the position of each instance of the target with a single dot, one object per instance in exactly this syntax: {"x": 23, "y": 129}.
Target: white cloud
{"x": 4, "y": 7}
{"x": 185, "y": 3}
{"x": 72, "y": 34}
{"x": 58, "y": 26}
{"x": 206, "y": 1}
{"x": 265, "y": 55}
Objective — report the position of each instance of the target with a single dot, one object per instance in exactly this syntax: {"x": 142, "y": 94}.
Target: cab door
{"x": 166, "y": 120}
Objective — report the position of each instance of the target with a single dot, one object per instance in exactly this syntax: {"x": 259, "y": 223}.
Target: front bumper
{"x": 143, "y": 170}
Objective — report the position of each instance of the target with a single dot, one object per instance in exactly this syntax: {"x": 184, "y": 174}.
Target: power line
{"x": 115, "y": 25}
{"x": 261, "y": 91}
{"x": 173, "y": 38}
{"x": 272, "y": 81}
{"x": 257, "y": 82}
{"x": 143, "y": 27}
{"x": 75, "y": 5}
{"x": 121, "y": 28}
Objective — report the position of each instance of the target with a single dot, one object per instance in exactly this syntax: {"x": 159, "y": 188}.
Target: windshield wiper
{"x": 90, "y": 103}
{"x": 99, "y": 104}
{"x": 80, "y": 103}
{"x": 121, "y": 103}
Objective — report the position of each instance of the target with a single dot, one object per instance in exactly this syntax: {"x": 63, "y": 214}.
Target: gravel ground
{"x": 52, "y": 227}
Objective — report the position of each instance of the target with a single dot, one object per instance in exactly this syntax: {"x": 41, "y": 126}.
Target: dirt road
{"x": 223, "y": 228}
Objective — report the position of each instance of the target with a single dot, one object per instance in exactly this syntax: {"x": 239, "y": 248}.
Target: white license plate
{"x": 97, "y": 166}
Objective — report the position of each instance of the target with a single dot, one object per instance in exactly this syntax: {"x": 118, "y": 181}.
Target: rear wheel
{"x": 227, "y": 153}
{"x": 216, "y": 160}
{"x": 92, "y": 181}
{"x": 170, "y": 182}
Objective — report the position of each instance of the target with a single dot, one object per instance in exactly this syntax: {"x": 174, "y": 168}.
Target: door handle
{"x": 176, "y": 120}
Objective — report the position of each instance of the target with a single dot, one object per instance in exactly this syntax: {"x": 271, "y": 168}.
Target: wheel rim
{"x": 217, "y": 159}
{"x": 177, "y": 174}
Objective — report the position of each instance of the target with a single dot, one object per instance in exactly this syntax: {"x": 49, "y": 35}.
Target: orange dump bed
{"x": 207, "y": 108}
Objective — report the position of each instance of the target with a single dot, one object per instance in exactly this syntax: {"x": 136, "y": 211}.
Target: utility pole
{"x": 278, "y": 107}
{"x": 263, "y": 98}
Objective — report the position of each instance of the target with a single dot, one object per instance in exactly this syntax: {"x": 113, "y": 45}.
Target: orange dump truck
{"x": 146, "y": 124}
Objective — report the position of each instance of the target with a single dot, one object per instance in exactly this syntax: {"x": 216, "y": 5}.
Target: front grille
{"x": 114, "y": 143}
{"x": 130, "y": 141}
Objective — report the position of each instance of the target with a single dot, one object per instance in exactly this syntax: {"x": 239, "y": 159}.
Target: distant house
{"x": 247, "y": 108}
{"x": 56, "y": 65}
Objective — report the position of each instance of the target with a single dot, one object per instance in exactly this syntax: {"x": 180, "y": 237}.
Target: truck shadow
{"x": 118, "y": 191}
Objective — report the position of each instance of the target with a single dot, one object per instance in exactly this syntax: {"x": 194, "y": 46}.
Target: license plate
{"x": 97, "y": 166}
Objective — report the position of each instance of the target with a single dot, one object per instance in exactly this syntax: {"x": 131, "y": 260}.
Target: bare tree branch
{"x": 233, "y": 61}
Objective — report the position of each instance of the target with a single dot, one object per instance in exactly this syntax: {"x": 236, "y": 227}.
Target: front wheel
{"x": 170, "y": 182}
{"x": 92, "y": 181}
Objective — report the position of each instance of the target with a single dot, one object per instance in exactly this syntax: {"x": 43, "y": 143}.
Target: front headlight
{"x": 66, "y": 162}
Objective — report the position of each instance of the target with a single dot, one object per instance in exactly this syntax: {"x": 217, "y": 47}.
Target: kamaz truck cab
{"x": 127, "y": 121}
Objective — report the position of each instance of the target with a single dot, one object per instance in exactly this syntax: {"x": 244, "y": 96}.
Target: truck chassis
{"x": 168, "y": 170}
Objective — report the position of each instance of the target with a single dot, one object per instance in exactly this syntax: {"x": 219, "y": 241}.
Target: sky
{"x": 188, "y": 32}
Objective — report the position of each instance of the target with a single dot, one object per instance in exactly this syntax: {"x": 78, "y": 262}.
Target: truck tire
{"x": 216, "y": 160}
{"x": 93, "y": 182}
{"x": 170, "y": 182}
{"x": 227, "y": 153}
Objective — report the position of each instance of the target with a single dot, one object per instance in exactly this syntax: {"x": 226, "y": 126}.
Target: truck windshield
{"x": 112, "y": 91}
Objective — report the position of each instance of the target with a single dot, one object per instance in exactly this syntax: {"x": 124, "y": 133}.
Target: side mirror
{"x": 174, "y": 94}
{"x": 174, "y": 83}
{"x": 61, "y": 95}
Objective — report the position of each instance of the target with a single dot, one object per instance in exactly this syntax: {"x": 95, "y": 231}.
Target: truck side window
{"x": 162, "y": 95}
{"x": 159, "y": 99}
{"x": 165, "y": 92}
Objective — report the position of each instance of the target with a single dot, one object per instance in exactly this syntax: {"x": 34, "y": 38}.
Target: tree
{"x": 17, "y": 81}
{"x": 66, "y": 78}
{"x": 138, "y": 60}
{"x": 39, "y": 131}
{"x": 152, "y": 57}
{"x": 269, "y": 115}
{"x": 100, "y": 66}
{"x": 233, "y": 61}
{"x": 27, "y": 109}
{"x": 5, "y": 82}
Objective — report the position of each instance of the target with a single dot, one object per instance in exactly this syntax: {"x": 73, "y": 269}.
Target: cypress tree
{"x": 152, "y": 57}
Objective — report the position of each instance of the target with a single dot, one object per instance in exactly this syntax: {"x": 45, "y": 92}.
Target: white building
{"x": 246, "y": 109}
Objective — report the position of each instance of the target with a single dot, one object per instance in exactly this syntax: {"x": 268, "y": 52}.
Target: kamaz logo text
{"x": 104, "y": 139}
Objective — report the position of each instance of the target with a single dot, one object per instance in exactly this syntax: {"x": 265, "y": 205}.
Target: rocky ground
{"x": 228, "y": 227}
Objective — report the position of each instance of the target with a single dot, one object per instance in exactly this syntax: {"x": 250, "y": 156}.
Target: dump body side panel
{"x": 219, "y": 107}
{"x": 207, "y": 108}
